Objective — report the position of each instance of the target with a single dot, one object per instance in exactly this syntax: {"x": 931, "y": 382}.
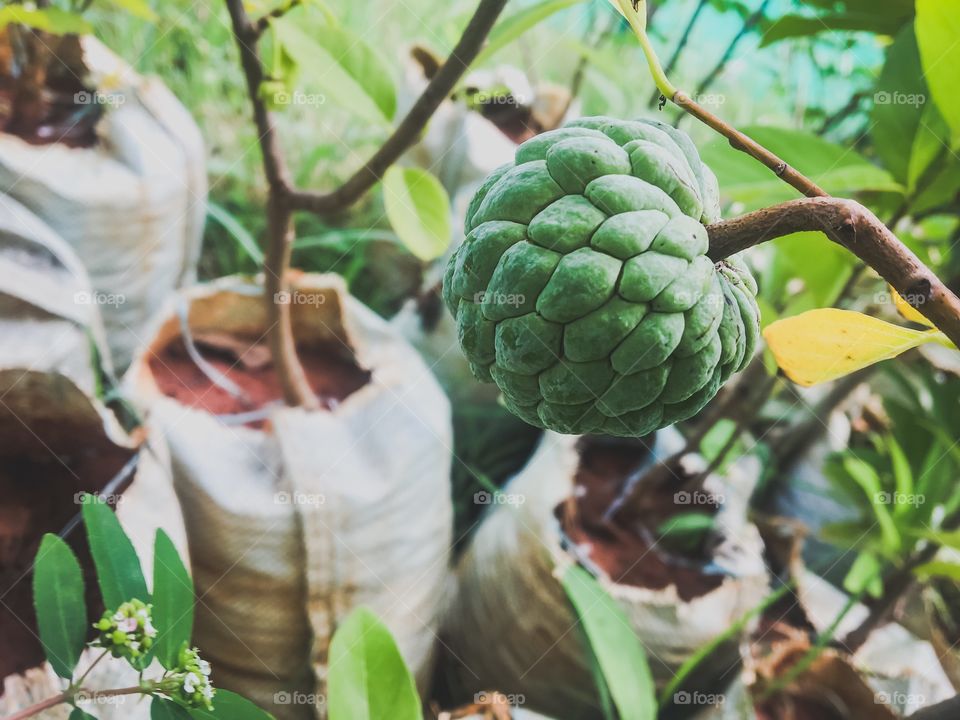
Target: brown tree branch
{"x": 853, "y": 226}
{"x": 284, "y": 199}
{"x": 412, "y": 125}
{"x": 290, "y": 374}
{"x": 745, "y": 144}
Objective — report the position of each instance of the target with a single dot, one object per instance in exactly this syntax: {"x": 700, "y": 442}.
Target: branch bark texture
{"x": 853, "y": 226}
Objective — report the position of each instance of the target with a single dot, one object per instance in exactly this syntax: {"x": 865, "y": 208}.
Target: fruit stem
{"x": 635, "y": 12}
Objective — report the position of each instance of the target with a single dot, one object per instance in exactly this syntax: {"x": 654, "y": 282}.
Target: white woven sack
{"x": 292, "y": 528}
{"x": 132, "y": 206}
{"x": 46, "y": 313}
{"x": 511, "y": 625}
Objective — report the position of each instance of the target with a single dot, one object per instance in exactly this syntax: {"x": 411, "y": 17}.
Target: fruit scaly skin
{"x": 583, "y": 289}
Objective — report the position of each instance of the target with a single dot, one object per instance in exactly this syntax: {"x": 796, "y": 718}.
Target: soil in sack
{"x": 43, "y": 470}
{"x": 331, "y": 370}
{"x": 626, "y": 546}
{"x": 42, "y": 97}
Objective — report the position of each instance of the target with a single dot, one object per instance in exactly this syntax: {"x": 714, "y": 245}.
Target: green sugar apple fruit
{"x": 583, "y": 288}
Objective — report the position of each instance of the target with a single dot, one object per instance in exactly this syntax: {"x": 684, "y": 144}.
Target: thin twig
{"x": 284, "y": 199}
{"x": 413, "y": 124}
{"x": 745, "y": 144}
{"x": 853, "y": 226}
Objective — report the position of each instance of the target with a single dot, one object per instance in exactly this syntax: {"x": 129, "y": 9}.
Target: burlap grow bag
{"x": 306, "y": 515}
{"x": 512, "y": 628}
{"x": 46, "y": 318}
{"x": 131, "y": 206}
{"x": 55, "y": 443}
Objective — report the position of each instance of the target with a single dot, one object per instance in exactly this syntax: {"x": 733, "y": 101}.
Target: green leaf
{"x": 172, "y": 601}
{"x": 691, "y": 523}
{"x": 866, "y": 477}
{"x": 348, "y": 71}
{"x": 118, "y": 567}
{"x": 78, "y": 714}
{"x": 615, "y": 644}
{"x": 137, "y": 8}
{"x": 931, "y": 146}
{"x": 237, "y": 231}
{"x": 368, "y": 679}
{"x": 886, "y": 21}
{"x": 58, "y": 596}
{"x": 822, "y": 281}
{"x": 938, "y": 568}
{"x": 864, "y": 576}
{"x": 902, "y": 475}
{"x": 163, "y": 709}
{"x": 839, "y": 170}
{"x": 510, "y": 28}
{"x": 52, "y": 20}
{"x": 938, "y": 36}
{"x": 230, "y": 706}
{"x": 419, "y": 210}
{"x": 894, "y": 117}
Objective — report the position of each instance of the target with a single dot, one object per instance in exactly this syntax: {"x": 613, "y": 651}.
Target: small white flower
{"x": 204, "y": 667}
{"x": 207, "y": 691}
{"x": 127, "y": 625}
{"x": 119, "y": 617}
{"x": 148, "y": 629}
{"x": 189, "y": 683}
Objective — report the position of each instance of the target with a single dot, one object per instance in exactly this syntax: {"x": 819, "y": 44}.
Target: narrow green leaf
{"x": 938, "y": 35}
{"x": 118, "y": 567}
{"x": 902, "y": 476}
{"x": 230, "y": 706}
{"x": 58, "y": 596}
{"x": 615, "y": 644}
{"x": 894, "y": 117}
{"x": 938, "y": 568}
{"x": 52, "y": 20}
{"x": 363, "y": 94}
{"x": 692, "y": 523}
{"x": 864, "y": 576}
{"x": 163, "y": 709}
{"x": 510, "y": 28}
{"x": 419, "y": 210}
{"x": 866, "y": 477}
{"x": 137, "y": 8}
{"x": 172, "y": 601}
{"x": 875, "y": 21}
{"x": 368, "y": 679}
{"x": 931, "y": 145}
{"x": 237, "y": 231}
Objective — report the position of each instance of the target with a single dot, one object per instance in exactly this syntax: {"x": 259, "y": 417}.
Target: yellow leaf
{"x": 907, "y": 310}
{"x": 821, "y": 345}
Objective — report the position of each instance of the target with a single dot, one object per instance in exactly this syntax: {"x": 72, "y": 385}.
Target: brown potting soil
{"x": 40, "y": 488}
{"x": 625, "y": 548}
{"x": 330, "y": 369}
